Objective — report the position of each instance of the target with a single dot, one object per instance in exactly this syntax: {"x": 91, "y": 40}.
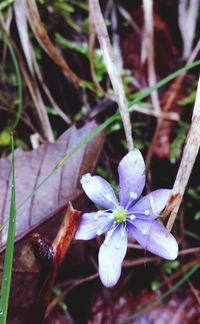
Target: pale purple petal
{"x": 131, "y": 171}
{"x": 99, "y": 191}
{"x": 151, "y": 205}
{"x": 151, "y": 235}
{"x": 92, "y": 225}
{"x": 111, "y": 255}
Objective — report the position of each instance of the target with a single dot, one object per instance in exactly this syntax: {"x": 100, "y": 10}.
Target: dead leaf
{"x": 183, "y": 309}
{"x": 44, "y": 212}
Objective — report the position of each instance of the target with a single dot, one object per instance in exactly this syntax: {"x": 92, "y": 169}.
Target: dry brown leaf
{"x": 44, "y": 212}
{"x": 174, "y": 310}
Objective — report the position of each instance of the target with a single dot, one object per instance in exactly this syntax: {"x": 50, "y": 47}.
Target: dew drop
{"x": 147, "y": 212}
{"x": 144, "y": 231}
{"x": 109, "y": 233}
{"x": 117, "y": 245}
{"x": 133, "y": 195}
{"x": 1, "y": 312}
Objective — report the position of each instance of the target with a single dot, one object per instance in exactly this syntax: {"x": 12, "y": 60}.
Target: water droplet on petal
{"x": 117, "y": 245}
{"x": 133, "y": 195}
{"x": 147, "y": 212}
{"x": 109, "y": 233}
{"x": 144, "y": 231}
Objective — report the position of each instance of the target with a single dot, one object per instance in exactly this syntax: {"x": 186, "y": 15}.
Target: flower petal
{"x": 131, "y": 171}
{"x": 111, "y": 255}
{"x": 92, "y": 225}
{"x": 151, "y": 235}
{"x": 99, "y": 191}
{"x": 151, "y": 205}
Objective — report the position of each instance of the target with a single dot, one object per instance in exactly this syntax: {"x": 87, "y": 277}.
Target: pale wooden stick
{"x": 187, "y": 20}
{"x": 149, "y": 42}
{"x": 113, "y": 70}
{"x": 188, "y": 159}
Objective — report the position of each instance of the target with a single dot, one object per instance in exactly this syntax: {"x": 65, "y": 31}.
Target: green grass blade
{"x": 19, "y": 79}
{"x": 5, "y": 4}
{"x": 139, "y": 96}
{"x": 8, "y": 262}
{"x": 155, "y": 301}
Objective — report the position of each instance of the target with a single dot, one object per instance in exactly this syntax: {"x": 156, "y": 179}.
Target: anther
{"x": 132, "y": 217}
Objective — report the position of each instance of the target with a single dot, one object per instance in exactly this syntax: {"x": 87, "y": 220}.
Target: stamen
{"x": 144, "y": 231}
{"x": 111, "y": 216}
{"x": 132, "y": 217}
{"x": 146, "y": 212}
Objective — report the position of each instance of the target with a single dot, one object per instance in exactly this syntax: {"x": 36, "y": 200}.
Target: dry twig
{"x": 190, "y": 152}
{"x": 113, "y": 71}
{"x": 149, "y": 50}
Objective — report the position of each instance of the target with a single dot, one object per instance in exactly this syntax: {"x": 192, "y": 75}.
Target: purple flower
{"x": 132, "y": 214}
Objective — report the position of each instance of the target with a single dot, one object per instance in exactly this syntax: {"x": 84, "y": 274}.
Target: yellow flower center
{"x": 120, "y": 214}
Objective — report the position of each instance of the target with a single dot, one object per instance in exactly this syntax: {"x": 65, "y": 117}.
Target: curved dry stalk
{"x": 113, "y": 71}
{"x": 92, "y": 37}
{"x": 190, "y": 152}
{"x": 172, "y": 97}
{"x": 44, "y": 40}
{"x": 129, "y": 19}
{"x": 67, "y": 290}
